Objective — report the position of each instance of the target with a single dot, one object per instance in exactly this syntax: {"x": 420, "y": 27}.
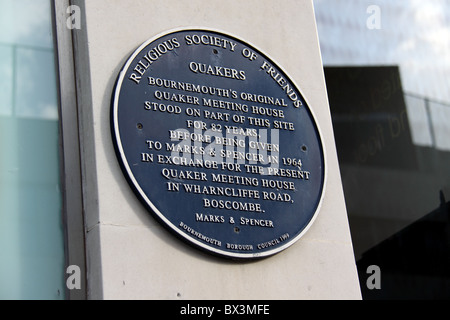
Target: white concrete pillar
{"x": 129, "y": 254}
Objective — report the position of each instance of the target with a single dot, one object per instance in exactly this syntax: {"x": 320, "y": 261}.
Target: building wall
{"x": 129, "y": 254}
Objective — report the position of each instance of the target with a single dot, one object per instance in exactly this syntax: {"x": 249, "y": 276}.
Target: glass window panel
{"x": 440, "y": 119}
{"x": 31, "y": 231}
{"x": 419, "y": 119}
{"x": 6, "y": 79}
{"x": 26, "y": 23}
{"x": 35, "y": 76}
{"x": 387, "y": 67}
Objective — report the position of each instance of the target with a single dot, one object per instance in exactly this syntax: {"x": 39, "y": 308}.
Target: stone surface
{"x": 130, "y": 256}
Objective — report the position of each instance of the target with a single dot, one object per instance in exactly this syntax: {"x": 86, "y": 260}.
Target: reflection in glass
{"x": 388, "y": 87}
{"x": 35, "y": 75}
{"x": 31, "y": 236}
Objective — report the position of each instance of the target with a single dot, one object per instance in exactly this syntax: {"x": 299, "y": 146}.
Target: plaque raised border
{"x": 151, "y": 117}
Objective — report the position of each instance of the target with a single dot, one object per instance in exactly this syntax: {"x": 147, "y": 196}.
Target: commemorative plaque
{"x": 218, "y": 143}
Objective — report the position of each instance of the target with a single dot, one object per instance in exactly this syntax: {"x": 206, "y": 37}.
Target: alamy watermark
{"x": 374, "y": 280}
{"x": 231, "y": 148}
{"x": 74, "y": 19}
{"x": 374, "y": 19}
{"x": 73, "y": 281}
{"x": 227, "y": 146}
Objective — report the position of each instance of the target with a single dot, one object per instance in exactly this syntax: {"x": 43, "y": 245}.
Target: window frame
{"x": 70, "y": 153}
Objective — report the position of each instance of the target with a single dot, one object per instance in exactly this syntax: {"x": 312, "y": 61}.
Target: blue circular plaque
{"x": 218, "y": 143}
